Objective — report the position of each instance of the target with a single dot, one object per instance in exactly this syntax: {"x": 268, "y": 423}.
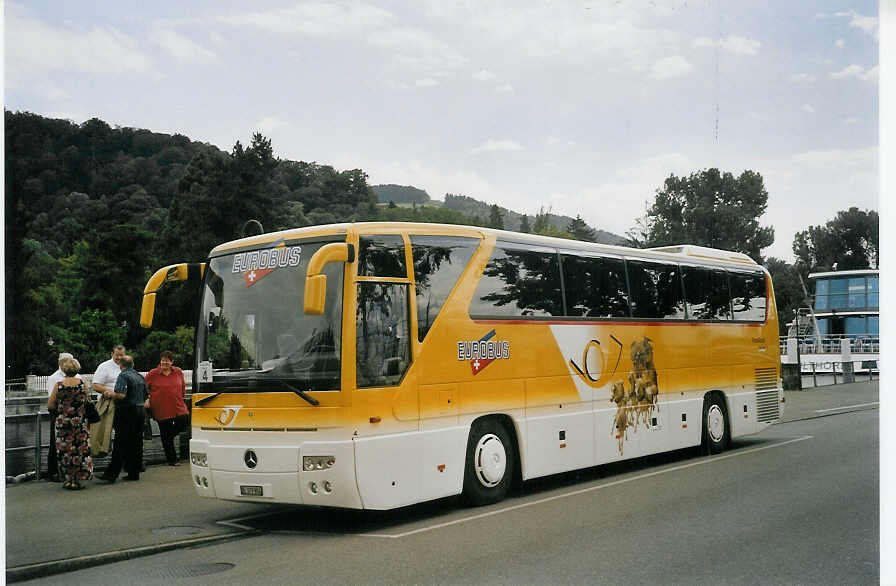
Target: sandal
{"x": 68, "y": 486}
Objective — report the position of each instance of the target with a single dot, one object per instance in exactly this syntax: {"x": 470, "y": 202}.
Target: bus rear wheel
{"x": 716, "y": 434}
{"x": 491, "y": 458}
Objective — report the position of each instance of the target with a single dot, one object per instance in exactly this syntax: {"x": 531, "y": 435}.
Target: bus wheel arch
{"x": 492, "y": 460}
{"x": 716, "y": 424}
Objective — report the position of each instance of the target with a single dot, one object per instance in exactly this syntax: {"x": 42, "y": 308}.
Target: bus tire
{"x": 716, "y": 433}
{"x": 491, "y": 457}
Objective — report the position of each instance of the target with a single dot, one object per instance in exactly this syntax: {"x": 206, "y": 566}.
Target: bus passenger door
{"x": 385, "y": 402}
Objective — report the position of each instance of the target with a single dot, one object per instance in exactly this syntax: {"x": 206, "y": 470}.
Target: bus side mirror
{"x": 171, "y": 273}
{"x": 316, "y": 282}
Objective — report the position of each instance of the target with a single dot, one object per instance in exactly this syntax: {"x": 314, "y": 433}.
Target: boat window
{"x": 857, "y": 292}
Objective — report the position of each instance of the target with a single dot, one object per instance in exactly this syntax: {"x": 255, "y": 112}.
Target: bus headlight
{"x": 310, "y": 463}
{"x": 199, "y": 459}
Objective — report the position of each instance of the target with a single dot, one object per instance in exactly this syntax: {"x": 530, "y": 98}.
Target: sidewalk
{"x": 829, "y": 400}
{"x": 49, "y": 529}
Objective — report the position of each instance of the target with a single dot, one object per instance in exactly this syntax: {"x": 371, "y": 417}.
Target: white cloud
{"x": 801, "y": 78}
{"x": 868, "y": 24}
{"x": 857, "y": 72}
{"x": 734, "y": 44}
{"x": 217, "y": 39}
{"x": 669, "y": 67}
{"x": 808, "y": 108}
{"x": 615, "y": 204}
{"x": 34, "y": 48}
{"x": 484, "y": 75}
{"x": 504, "y": 89}
{"x": 493, "y": 145}
{"x": 184, "y": 49}
{"x": 426, "y": 82}
{"x": 839, "y": 43}
{"x": 315, "y": 19}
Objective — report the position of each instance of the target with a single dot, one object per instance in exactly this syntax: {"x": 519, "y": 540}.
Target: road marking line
{"x": 847, "y": 407}
{"x": 585, "y": 490}
{"x": 234, "y": 522}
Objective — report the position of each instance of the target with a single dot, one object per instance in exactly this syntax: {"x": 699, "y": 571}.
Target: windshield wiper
{"x": 301, "y": 393}
{"x": 205, "y": 400}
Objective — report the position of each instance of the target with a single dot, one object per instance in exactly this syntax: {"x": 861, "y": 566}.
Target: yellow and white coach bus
{"x": 376, "y": 365}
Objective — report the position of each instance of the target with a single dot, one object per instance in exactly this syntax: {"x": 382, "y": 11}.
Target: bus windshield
{"x": 253, "y": 333}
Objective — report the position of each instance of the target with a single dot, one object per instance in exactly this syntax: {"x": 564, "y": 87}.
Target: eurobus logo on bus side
{"x": 482, "y": 352}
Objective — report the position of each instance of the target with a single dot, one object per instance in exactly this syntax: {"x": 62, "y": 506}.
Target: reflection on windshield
{"x": 253, "y": 326}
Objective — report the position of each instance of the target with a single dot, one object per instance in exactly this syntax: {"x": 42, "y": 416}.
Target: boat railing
{"x": 861, "y": 344}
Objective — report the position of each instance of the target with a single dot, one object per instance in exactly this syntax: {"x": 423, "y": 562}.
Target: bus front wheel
{"x": 716, "y": 434}
{"x": 490, "y": 463}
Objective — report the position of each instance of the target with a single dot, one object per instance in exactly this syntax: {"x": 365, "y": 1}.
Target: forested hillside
{"x": 92, "y": 211}
{"x": 513, "y": 220}
{"x": 400, "y": 194}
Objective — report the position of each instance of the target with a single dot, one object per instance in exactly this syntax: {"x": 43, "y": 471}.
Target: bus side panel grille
{"x": 766, "y": 379}
{"x": 767, "y": 405}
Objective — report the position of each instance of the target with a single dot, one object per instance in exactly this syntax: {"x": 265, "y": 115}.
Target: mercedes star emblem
{"x": 251, "y": 459}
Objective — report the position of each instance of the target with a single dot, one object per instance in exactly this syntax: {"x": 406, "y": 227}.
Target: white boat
{"x": 842, "y": 326}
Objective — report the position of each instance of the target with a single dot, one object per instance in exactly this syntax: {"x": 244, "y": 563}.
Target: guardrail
{"x": 28, "y": 432}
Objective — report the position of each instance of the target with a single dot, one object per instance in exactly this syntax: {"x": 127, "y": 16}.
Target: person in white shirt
{"x": 107, "y": 372}
{"x": 105, "y": 378}
{"x": 52, "y": 381}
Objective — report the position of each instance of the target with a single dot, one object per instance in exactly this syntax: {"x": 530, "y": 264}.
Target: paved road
{"x": 797, "y": 504}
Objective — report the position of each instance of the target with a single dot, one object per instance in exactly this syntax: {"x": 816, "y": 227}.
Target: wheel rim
{"x": 491, "y": 460}
{"x": 715, "y": 423}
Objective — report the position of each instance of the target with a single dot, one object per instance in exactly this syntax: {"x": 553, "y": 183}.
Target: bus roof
{"x": 681, "y": 253}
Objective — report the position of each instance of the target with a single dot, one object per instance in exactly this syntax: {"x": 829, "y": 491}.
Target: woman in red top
{"x": 166, "y": 402}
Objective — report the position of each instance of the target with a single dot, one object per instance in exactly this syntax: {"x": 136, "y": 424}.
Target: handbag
{"x": 90, "y": 412}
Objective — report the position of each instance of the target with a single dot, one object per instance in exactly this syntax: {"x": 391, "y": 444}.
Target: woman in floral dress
{"x": 69, "y": 398}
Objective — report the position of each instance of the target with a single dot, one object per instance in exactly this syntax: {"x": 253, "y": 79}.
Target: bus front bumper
{"x": 277, "y": 473}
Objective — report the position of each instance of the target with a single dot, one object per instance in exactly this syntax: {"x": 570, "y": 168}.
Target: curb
{"x": 44, "y": 569}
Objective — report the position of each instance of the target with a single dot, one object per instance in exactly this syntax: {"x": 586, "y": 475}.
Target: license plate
{"x": 252, "y": 490}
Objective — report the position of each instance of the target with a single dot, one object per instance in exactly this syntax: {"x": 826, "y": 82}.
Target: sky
{"x": 585, "y": 107}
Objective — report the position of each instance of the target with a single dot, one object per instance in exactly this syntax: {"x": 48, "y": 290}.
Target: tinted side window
{"x": 382, "y": 256}
{"x": 595, "y": 287}
{"x": 707, "y": 295}
{"x": 519, "y": 281}
{"x": 383, "y": 334}
{"x": 748, "y": 296}
{"x": 655, "y": 290}
{"x": 438, "y": 263}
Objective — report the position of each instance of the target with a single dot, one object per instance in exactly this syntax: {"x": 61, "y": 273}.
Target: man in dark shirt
{"x": 130, "y": 394}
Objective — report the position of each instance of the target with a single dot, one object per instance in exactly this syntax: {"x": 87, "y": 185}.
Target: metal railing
{"x": 27, "y": 439}
{"x": 833, "y": 344}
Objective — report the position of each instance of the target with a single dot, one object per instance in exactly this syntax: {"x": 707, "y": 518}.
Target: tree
{"x": 850, "y": 241}
{"x": 708, "y": 208}
{"x": 789, "y": 295}
{"x": 580, "y": 230}
{"x": 524, "y": 225}
{"x": 495, "y": 217}
{"x": 542, "y": 222}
